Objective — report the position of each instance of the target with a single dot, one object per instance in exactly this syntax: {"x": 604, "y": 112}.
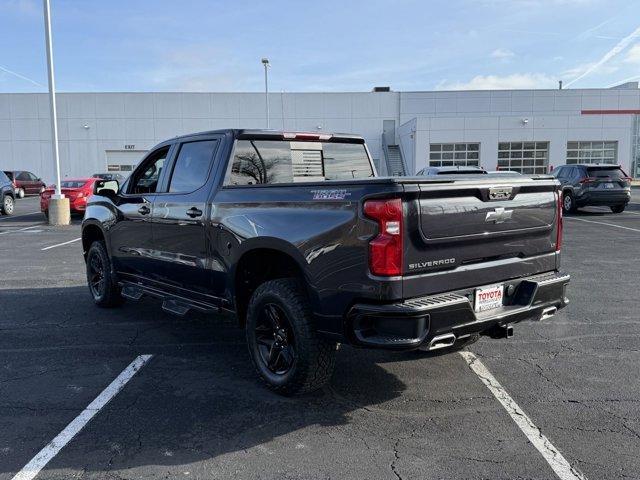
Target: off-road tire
{"x": 108, "y": 295}
{"x": 314, "y": 357}
{"x": 8, "y": 205}
{"x": 618, "y": 208}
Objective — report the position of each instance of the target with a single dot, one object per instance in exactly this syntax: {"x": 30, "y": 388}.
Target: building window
{"x": 524, "y": 157}
{"x": 592, "y": 152}
{"x": 454, "y": 154}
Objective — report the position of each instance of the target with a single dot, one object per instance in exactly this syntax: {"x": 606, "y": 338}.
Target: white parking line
{"x": 44, "y": 456}
{"x": 60, "y": 244}
{"x": 604, "y": 223}
{"x": 11, "y": 217}
{"x": 22, "y": 229}
{"x": 551, "y": 454}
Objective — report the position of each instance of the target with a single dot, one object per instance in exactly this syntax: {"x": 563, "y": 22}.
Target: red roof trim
{"x": 610, "y": 112}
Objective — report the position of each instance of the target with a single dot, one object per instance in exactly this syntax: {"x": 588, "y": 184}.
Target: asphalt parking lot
{"x": 196, "y": 409}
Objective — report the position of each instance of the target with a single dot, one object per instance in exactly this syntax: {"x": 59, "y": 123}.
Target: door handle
{"x": 144, "y": 210}
{"x": 193, "y": 212}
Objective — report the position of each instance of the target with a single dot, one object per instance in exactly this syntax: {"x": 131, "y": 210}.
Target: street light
{"x": 59, "y": 213}
{"x": 265, "y": 62}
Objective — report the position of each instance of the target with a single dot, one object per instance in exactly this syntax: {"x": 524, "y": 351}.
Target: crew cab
{"x": 296, "y": 235}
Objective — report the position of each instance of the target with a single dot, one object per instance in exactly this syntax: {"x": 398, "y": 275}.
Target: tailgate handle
{"x": 193, "y": 212}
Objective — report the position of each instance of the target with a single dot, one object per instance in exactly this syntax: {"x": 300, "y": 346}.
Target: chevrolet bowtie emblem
{"x": 499, "y": 215}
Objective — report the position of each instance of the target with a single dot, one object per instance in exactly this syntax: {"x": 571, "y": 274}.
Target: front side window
{"x": 23, "y": 176}
{"x": 192, "y": 166}
{"x": 146, "y": 178}
{"x": 274, "y": 161}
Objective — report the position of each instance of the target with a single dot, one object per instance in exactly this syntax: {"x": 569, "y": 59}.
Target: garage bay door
{"x": 123, "y": 161}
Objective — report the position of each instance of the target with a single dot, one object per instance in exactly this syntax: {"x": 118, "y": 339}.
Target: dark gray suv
{"x": 593, "y": 184}
{"x": 7, "y": 195}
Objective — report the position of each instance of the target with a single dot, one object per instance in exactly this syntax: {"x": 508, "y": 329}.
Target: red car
{"x": 77, "y": 190}
{"x": 25, "y": 183}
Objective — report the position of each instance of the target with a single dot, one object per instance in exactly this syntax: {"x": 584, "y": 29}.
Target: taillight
{"x": 385, "y": 250}
{"x": 560, "y": 223}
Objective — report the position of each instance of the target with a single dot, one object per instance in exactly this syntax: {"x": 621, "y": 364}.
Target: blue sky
{"x": 207, "y": 45}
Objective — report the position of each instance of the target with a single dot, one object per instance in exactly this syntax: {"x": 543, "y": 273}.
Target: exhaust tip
{"x": 442, "y": 341}
{"x": 548, "y": 313}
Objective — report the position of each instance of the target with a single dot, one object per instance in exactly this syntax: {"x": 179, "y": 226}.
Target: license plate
{"x": 608, "y": 185}
{"x": 489, "y": 298}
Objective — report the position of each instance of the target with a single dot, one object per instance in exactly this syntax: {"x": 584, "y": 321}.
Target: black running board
{"x": 171, "y": 303}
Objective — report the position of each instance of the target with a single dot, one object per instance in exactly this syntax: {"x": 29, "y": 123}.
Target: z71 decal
{"x": 330, "y": 194}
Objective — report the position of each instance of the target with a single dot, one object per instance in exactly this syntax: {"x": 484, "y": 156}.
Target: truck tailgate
{"x": 467, "y": 233}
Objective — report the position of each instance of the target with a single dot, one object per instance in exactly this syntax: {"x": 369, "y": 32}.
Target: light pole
{"x": 265, "y": 62}
{"x": 58, "y": 205}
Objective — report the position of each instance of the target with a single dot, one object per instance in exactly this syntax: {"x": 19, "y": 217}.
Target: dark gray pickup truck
{"x": 295, "y": 234}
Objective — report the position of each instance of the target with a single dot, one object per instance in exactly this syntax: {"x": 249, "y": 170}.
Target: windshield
{"x": 276, "y": 161}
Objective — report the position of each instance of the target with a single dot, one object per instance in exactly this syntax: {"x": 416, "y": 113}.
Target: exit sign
{"x": 129, "y": 147}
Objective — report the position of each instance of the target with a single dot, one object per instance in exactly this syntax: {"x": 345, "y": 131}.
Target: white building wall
{"x": 90, "y": 124}
{"x": 490, "y": 117}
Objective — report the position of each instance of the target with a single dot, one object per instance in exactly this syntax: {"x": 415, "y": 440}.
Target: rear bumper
{"x": 414, "y": 323}
{"x": 608, "y": 199}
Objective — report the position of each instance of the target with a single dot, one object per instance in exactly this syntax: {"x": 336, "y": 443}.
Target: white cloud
{"x": 618, "y": 47}
{"x": 502, "y": 53}
{"x": 507, "y": 82}
{"x": 633, "y": 55}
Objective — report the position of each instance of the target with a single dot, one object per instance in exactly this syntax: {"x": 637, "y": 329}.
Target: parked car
{"x": 291, "y": 233}
{"x": 7, "y": 195}
{"x": 506, "y": 173}
{"x": 451, "y": 171}
{"x": 25, "y": 183}
{"x": 109, "y": 176}
{"x": 77, "y": 190}
{"x": 593, "y": 184}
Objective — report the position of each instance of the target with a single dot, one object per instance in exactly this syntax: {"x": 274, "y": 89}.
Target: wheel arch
{"x": 262, "y": 260}
{"x": 91, "y": 232}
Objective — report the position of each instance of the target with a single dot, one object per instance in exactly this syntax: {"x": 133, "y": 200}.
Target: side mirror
{"x": 106, "y": 188}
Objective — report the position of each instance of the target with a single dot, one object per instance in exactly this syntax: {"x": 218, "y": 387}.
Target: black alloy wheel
{"x": 96, "y": 275}
{"x": 275, "y": 339}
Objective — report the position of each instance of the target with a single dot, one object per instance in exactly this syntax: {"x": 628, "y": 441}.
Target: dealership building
{"x": 530, "y": 131}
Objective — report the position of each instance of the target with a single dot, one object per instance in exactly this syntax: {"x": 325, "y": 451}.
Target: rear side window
{"x": 614, "y": 173}
{"x": 274, "y": 161}
{"x": 191, "y": 169}
{"x": 3, "y": 178}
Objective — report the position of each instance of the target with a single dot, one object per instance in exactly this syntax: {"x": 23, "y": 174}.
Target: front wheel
{"x": 7, "y": 205}
{"x": 289, "y": 355}
{"x": 20, "y": 193}
{"x": 103, "y": 288}
{"x": 618, "y": 208}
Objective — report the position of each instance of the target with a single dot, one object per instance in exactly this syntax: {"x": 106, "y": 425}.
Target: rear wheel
{"x": 103, "y": 288}
{"x": 20, "y": 193}
{"x": 7, "y": 205}
{"x": 568, "y": 203}
{"x": 618, "y": 208}
{"x": 287, "y": 352}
